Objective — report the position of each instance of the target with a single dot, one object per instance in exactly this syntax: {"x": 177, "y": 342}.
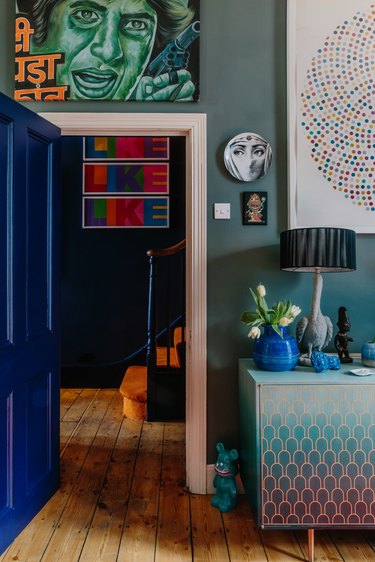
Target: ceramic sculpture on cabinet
{"x": 313, "y": 332}
{"x": 342, "y": 338}
{"x": 368, "y": 353}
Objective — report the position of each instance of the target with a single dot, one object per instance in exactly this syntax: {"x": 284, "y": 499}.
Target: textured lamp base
{"x": 304, "y": 360}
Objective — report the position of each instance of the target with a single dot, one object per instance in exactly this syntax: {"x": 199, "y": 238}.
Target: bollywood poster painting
{"x": 123, "y": 50}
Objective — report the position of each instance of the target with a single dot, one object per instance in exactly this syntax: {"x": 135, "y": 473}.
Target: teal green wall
{"x": 243, "y": 88}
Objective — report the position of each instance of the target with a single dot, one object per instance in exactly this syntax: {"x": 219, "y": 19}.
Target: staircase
{"x": 156, "y": 391}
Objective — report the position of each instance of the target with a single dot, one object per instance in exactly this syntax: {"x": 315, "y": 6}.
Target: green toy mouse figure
{"x": 226, "y": 469}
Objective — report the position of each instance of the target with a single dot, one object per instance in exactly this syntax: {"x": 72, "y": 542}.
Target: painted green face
{"x": 107, "y": 45}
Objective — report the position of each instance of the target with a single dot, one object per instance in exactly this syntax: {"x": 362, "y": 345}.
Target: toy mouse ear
{"x": 234, "y": 454}
{"x": 219, "y": 447}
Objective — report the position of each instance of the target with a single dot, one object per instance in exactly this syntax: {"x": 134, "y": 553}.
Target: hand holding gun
{"x": 166, "y": 77}
{"x": 175, "y": 55}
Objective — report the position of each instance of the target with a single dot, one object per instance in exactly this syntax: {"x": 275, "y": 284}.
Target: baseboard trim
{"x": 90, "y": 376}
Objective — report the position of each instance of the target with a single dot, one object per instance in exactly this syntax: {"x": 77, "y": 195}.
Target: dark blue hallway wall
{"x": 104, "y": 282}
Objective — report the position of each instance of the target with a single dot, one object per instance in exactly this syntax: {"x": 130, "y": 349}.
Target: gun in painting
{"x": 175, "y": 55}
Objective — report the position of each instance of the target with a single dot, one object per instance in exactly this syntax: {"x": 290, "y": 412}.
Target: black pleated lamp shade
{"x": 326, "y": 249}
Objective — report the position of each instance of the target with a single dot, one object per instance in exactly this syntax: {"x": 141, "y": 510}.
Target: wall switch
{"x": 222, "y": 210}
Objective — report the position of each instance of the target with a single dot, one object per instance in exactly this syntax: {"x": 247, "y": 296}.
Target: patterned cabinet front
{"x": 317, "y": 455}
{"x": 307, "y": 447}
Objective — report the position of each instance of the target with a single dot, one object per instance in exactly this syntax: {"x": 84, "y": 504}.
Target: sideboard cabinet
{"x": 307, "y": 447}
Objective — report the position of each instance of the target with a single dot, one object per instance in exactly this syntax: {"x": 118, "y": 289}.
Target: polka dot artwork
{"x": 338, "y": 109}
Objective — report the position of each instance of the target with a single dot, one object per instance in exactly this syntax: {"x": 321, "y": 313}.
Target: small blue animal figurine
{"x": 226, "y": 469}
{"x": 321, "y": 362}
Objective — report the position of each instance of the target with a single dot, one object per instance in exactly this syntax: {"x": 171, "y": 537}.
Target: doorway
{"x": 193, "y": 127}
{"x": 105, "y": 268}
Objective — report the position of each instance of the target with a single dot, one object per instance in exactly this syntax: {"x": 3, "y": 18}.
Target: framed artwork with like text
{"x": 120, "y": 193}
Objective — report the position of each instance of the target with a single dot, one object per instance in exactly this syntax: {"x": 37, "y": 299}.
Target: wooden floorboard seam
{"x": 159, "y": 497}
{"x": 97, "y": 505}
{"x": 128, "y": 494}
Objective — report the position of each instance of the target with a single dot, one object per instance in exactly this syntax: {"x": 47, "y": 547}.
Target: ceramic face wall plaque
{"x": 247, "y": 156}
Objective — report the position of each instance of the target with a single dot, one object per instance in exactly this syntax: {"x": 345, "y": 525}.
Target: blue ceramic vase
{"x": 368, "y": 354}
{"x": 274, "y": 353}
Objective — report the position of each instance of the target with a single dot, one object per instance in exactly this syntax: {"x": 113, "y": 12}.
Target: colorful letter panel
{"x": 120, "y": 184}
{"x": 126, "y": 212}
{"x": 126, "y": 148}
{"x": 126, "y": 178}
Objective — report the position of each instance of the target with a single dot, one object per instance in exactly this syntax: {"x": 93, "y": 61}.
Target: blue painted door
{"x": 29, "y": 318}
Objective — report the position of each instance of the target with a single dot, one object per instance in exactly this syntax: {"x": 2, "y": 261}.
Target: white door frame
{"x": 193, "y": 127}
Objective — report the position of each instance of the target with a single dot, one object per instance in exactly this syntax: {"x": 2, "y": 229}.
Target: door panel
{"x": 4, "y": 444}
{"x": 29, "y": 316}
{"x": 38, "y": 219}
{"x": 6, "y": 152}
{"x": 38, "y": 460}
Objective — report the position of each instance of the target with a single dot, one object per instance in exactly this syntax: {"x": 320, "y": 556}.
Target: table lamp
{"x": 321, "y": 249}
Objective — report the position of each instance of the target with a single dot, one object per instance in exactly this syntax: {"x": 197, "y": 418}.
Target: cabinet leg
{"x": 310, "y": 540}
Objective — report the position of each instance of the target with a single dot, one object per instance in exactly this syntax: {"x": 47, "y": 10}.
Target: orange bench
{"x": 134, "y": 392}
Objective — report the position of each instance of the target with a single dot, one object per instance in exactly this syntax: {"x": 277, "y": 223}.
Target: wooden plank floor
{"x": 122, "y": 499}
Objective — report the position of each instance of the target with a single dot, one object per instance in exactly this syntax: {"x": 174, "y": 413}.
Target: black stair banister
{"x": 151, "y": 337}
{"x": 154, "y": 255}
{"x": 157, "y": 376}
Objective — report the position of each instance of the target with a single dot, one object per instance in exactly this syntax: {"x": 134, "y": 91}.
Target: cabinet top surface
{"x": 305, "y": 375}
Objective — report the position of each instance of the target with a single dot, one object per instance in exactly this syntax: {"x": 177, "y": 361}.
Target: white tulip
{"x": 261, "y": 291}
{"x": 284, "y": 321}
{"x": 295, "y": 310}
{"x": 254, "y": 333}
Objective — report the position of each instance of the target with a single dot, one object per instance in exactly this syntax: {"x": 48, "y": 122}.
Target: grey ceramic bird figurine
{"x": 314, "y": 332}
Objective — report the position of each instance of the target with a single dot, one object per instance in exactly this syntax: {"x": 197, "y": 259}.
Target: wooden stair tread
{"x": 162, "y": 357}
{"x": 179, "y": 335}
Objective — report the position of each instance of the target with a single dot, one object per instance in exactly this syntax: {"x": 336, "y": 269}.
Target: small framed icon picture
{"x": 254, "y": 207}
